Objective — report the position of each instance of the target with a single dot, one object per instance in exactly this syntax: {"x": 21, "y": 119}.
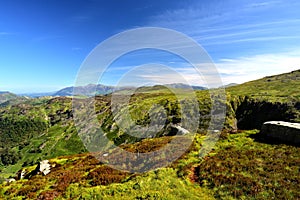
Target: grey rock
{"x": 181, "y": 130}
{"x": 44, "y": 167}
{"x": 10, "y": 180}
{"x": 282, "y": 131}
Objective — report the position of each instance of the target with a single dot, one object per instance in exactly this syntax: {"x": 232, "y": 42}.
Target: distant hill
{"x": 229, "y": 85}
{"x": 6, "y": 96}
{"x": 88, "y": 90}
{"x": 163, "y": 88}
{"x": 100, "y": 89}
{"x": 38, "y": 94}
{"x": 92, "y": 89}
{"x": 185, "y": 86}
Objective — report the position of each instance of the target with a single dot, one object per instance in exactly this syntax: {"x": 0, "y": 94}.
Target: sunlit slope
{"x": 282, "y": 87}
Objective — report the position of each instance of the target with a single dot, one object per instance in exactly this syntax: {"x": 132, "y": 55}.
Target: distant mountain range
{"x": 93, "y": 89}
{"x": 89, "y": 90}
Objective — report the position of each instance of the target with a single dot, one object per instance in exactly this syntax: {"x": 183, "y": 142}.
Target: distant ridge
{"x": 100, "y": 89}
{"x": 185, "y": 86}
{"x": 269, "y": 82}
{"x": 229, "y": 85}
{"x": 88, "y": 90}
{"x": 92, "y": 89}
{"x": 38, "y": 94}
{"x": 6, "y": 96}
{"x": 271, "y": 87}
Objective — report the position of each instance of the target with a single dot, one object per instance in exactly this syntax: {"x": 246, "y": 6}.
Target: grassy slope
{"x": 228, "y": 169}
{"x": 83, "y": 176}
{"x": 270, "y": 98}
{"x": 243, "y": 167}
{"x": 240, "y": 166}
{"x": 59, "y": 137}
{"x": 282, "y": 88}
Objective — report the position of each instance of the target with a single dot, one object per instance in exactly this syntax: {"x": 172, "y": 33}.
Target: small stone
{"x": 105, "y": 154}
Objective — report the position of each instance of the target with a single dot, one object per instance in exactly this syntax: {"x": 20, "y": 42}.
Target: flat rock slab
{"x": 282, "y": 131}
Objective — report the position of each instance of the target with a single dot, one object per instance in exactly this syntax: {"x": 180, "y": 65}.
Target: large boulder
{"x": 282, "y": 131}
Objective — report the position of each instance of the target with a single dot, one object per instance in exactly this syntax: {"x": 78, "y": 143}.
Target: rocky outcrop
{"x": 282, "y": 131}
{"x": 43, "y": 167}
{"x": 247, "y": 113}
{"x": 181, "y": 131}
{"x": 252, "y": 113}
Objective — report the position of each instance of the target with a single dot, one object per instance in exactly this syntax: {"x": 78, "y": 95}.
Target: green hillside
{"x": 241, "y": 166}
{"x": 270, "y": 98}
{"x": 282, "y": 88}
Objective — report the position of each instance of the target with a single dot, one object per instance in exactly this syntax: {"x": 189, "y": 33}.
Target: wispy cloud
{"x": 152, "y": 74}
{"x": 223, "y": 23}
{"x": 251, "y": 37}
{"x": 76, "y": 48}
{"x": 244, "y": 69}
{"x": 205, "y": 74}
{"x": 4, "y": 33}
{"x": 237, "y": 70}
{"x": 46, "y": 37}
{"x": 263, "y": 4}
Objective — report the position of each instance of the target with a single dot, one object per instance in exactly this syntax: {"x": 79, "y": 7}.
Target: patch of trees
{"x": 17, "y": 130}
{"x": 9, "y": 157}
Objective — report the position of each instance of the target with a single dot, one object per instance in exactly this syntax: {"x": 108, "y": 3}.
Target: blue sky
{"x": 43, "y": 43}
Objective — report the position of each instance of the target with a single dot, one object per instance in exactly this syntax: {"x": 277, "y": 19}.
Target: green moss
{"x": 160, "y": 184}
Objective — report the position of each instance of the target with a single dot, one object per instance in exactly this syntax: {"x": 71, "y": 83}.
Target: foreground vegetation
{"x": 240, "y": 166}
{"x": 243, "y": 167}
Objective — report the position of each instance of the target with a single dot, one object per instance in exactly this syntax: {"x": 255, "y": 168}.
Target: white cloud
{"x": 237, "y": 70}
{"x": 217, "y": 23}
{"x": 263, "y": 4}
{"x": 152, "y": 74}
{"x": 245, "y": 69}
